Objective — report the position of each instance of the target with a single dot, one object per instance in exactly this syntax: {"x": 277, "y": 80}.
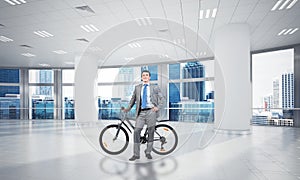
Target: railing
{"x": 273, "y": 116}
{"x": 175, "y": 114}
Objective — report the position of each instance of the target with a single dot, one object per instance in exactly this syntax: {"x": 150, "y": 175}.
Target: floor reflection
{"x": 139, "y": 170}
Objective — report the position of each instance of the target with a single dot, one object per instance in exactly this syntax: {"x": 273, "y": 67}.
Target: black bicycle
{"x": 114, "y": 138}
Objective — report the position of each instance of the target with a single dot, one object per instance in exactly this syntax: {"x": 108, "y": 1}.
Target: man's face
{"x": 145, "y": 77}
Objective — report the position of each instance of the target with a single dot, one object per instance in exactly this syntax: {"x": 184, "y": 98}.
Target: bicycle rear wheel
{"x": 165, "y": 139}
{"x": 113, "y": 140}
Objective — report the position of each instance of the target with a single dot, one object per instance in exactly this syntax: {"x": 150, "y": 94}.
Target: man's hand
{"x": 154, "y": 109}
{"x": 125, "y": 109}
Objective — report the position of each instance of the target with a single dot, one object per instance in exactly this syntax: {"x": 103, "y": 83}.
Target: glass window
{"x": 68, "y": 101}
{"x": 9, "y": 102}
{"x": 193, "y": 70}
{"x": 9, "y": 76}
{"x": 197, "y": 69}
{"x": 191, "y": 99}
{"x": 68, "y": 75}
{"x": 41, "y": 76}
{"x": 9, "y": 94}
{"x": 41, "y": 102}
{"x": 174, "y": 71}
{"x": 124, "y": 74}
{"x": 112, "y": 98}
{"x": 273, "y": 87}
{"x": 9, "y": 91}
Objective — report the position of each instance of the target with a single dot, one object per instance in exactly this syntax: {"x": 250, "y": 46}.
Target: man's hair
{"x": 146, "y": 71}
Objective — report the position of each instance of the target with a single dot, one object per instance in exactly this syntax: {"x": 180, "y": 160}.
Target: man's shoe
{"x": 148, "y": 156}
{"x": 133, "y": 158}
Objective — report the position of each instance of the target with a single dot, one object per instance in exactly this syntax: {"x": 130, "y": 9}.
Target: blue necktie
{"x": 144, "y": 99}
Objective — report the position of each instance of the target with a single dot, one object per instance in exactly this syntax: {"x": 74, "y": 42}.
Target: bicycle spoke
{"x": 113, "y": 140}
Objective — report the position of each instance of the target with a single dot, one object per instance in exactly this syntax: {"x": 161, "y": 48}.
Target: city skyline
{"x": 265, "y": 68}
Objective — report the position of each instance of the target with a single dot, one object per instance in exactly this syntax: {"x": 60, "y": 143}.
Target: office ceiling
{"x": 134, "y": 31}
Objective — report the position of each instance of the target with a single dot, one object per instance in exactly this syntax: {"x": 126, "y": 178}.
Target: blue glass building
{"x": 69, "y": 108}
{"x": 9, "y": 95}
{"x": 194, "y": 90}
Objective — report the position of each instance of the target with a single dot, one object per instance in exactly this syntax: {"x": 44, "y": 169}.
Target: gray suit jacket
{"x": 156, "y": 98}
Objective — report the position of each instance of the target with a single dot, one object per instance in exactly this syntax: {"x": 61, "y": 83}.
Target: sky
{"x": 265, "y": 68}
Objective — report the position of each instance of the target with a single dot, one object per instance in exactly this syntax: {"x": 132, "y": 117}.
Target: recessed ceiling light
{"x": 89, "y": 28}
{"x": 143, "y": 21}
{"x": 69, "y": 63}
{"x": 288, "y": 31}
{"x": 292, "y": 4}
{"x": 134, "y": 45}
{"x": 163, "y": 30}
{"x": 129, "y": 59}
{"x": 208, "y": 13}
{"x": 178, "y": 41}
{"x": 276, "y": 5}
{"x": 214, "y": 13}
{"x": 44, "y": 65}
{"x": 28, "y": 55}
{"x": 283, "y": 4}
{"x": 60, "y": 52}
{"x": 43, "y": 34}
{"x": 281, "y": 32}
{"x": 5, "y": 39}
{"x": 202, "y": 53}
{"x": 163, "y": 56}
{"x": 15, "y": 2}
{"x": 293, "y": 31}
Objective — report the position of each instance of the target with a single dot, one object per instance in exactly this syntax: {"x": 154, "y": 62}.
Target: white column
{"x": 86, "y": 108}
{"x": 232, "y": 79}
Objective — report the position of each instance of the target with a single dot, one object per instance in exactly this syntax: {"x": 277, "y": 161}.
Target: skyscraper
{"x": 194, "y": 90}
{"x": 174, "y": 88}
{"x": 44, "y": 76}
{"x": 268, "y": 102}
{"x": 287, "y": 90}
{"x": 276, "y": 93}
{"x": 125, "y": 74}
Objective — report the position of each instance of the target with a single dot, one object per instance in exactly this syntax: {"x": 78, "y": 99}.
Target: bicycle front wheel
{"x": 165, "y": 139}
{"x": 113, "y": 140}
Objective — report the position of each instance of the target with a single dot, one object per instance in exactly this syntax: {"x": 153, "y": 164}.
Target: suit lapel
{"x": 139, "y": 91}
{"x": 151, "y": 89}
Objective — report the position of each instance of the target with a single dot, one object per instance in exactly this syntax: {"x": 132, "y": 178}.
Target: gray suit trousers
{"x": 145, "y": 117}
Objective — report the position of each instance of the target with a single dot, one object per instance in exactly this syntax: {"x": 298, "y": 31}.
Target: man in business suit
{"x": 148, "y": 99}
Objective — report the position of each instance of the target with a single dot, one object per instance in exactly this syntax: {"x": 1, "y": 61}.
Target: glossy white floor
{"x": 67, "y": 150}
